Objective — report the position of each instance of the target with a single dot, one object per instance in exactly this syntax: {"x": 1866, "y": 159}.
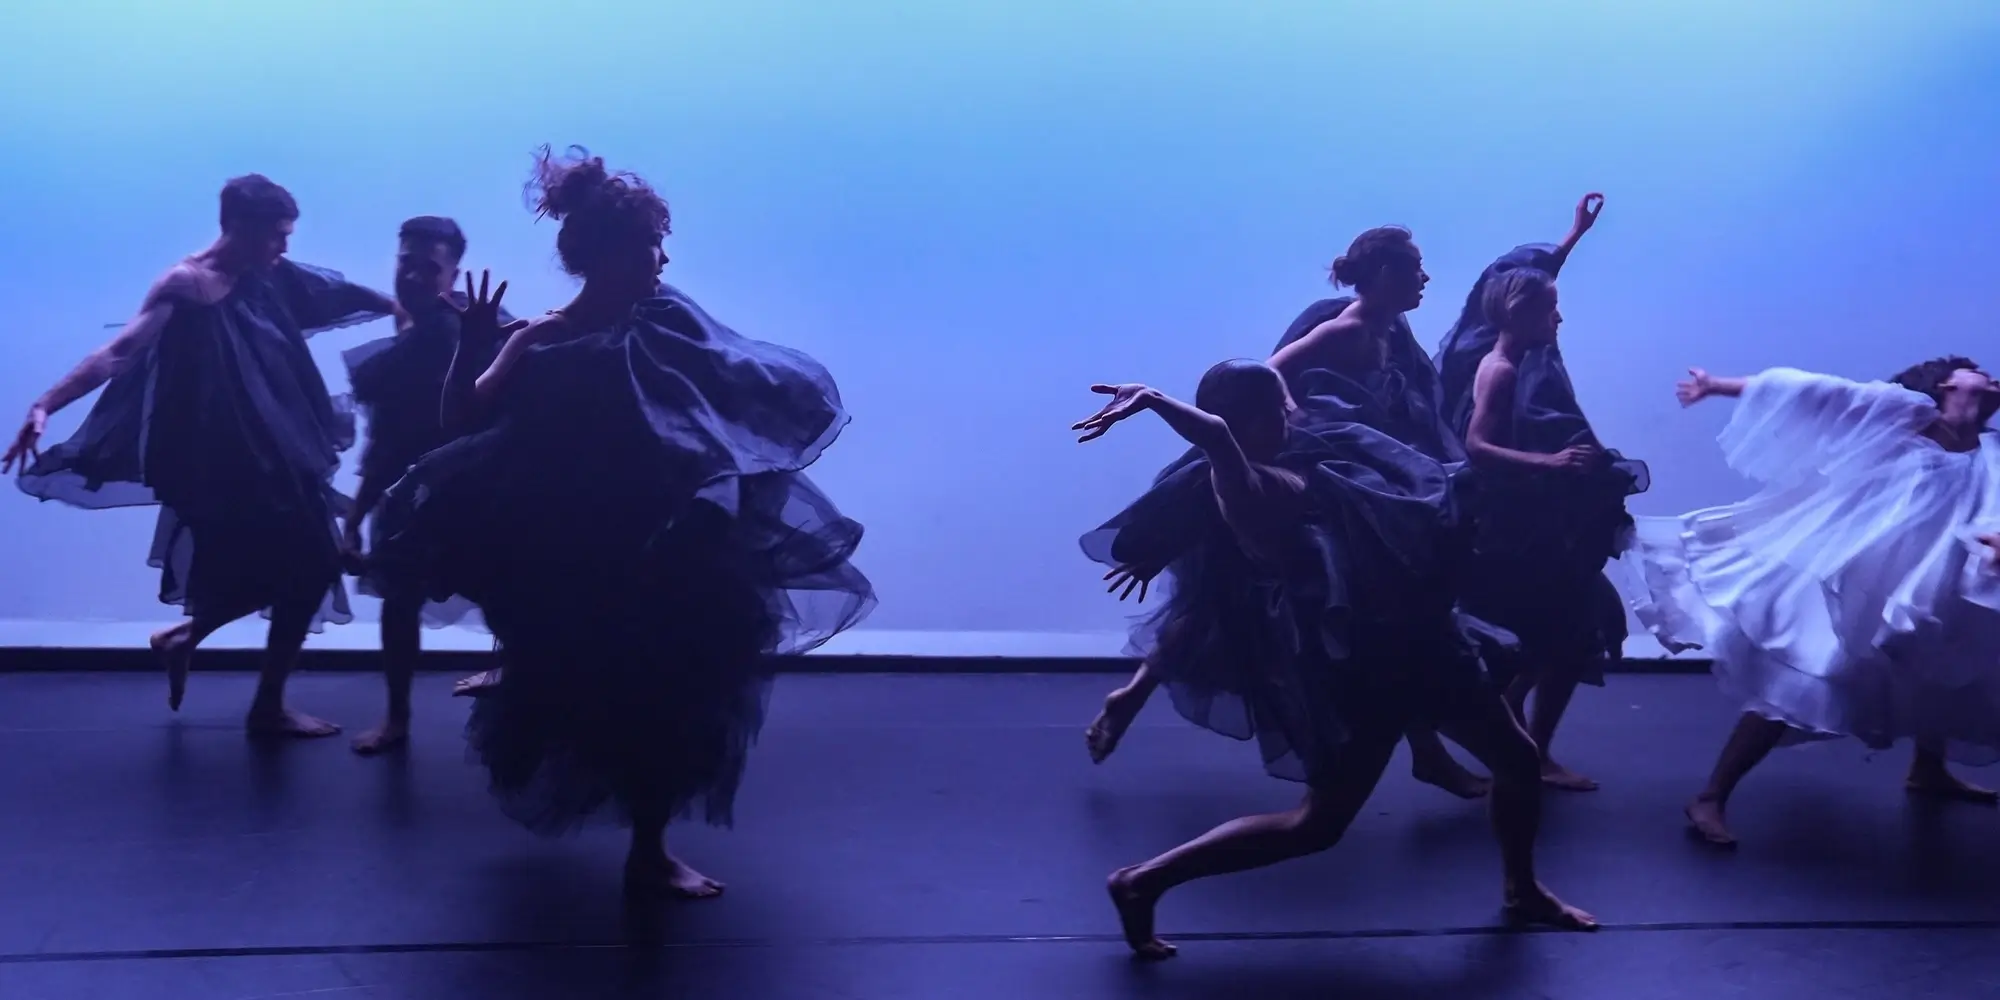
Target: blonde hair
{"x": 1509, "y": 292}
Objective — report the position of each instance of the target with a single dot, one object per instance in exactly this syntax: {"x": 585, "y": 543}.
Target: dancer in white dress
{"x": 1853, "y": 594}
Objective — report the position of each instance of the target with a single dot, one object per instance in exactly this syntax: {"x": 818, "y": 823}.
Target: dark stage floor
{"x": 943, "y": 837}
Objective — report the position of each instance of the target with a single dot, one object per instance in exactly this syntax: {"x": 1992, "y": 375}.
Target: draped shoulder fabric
{"x": 1543, "y": 537}
{"x": 225, "y": 423}
{"x": 1842, "y": 598}
{"x": 637, "y": 530}
{"x": 1400, "y": 397}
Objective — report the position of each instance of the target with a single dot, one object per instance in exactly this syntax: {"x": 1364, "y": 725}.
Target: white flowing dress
{"x": 1849, "y": 596}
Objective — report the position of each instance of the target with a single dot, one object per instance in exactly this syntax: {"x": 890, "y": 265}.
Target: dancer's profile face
{"x": 424, "y": 270}
{"x": 638, "y": 268}
{"x": 1970, "y": 396}
{"x": 1402, "y": 282}
{"x": 1540, "y": 318}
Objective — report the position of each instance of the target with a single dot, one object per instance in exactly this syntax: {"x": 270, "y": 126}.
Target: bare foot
{"x": 1555, "y": 775}
{"x": 1939, "y": 783}
{"x": 176, "y": 653}
{"x": 1538, "y": 906}
{"x": 388, "y": 736}
{"x": 1451, "y": 776}
{"x": 1120, "y": 708}
{"x": 671, "y": 877}
{"x": 477, "y": 684}
{"x": 1705, "y": 821}
{"x": 285, "y": 723}
{"x": 1135, "y": 916}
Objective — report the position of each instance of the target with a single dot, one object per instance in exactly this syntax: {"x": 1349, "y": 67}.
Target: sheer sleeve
{"x": 1791, "y": 423}
{"x": 322, "y": 300}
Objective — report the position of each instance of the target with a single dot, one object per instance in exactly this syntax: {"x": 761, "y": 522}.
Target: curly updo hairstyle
{"x": 1383, "y": 246}
{"x": 603, "y": 214}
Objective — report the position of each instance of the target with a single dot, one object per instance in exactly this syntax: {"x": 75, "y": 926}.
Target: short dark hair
{"x": 1238, "y": 387}
{"x": 1370, "y": 253}
{"x": 255, "y": 199}
{"x": 435, "y": 229}
{"x": 1929, "y": 377}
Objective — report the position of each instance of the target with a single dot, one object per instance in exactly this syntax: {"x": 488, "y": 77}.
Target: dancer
{"x": 628, "y": 510}
{"x": 1551, "y": 498}
{"x": 1851, "y": 595}
{"x": 398, "y": 385}
{"x": 214, "y": 411}
{"x": 1312, "y": 612}
{"x": 1347, "y": 360}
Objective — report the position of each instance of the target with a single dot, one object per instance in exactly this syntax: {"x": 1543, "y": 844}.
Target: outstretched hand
{"x": 1131, "y": 577}
{"x": 1587, "y": 211}
{"x": 479, "y": 322}
{"x": 1699, "y": 385}
{"x": 26, "y": 447}
{"x": 1125, "y": 400}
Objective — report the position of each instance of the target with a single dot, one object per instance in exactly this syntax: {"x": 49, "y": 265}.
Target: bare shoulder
{"x": 188, "y": 282}
{"x": 1495, "y": 369}
{"x": 547, "y": 326}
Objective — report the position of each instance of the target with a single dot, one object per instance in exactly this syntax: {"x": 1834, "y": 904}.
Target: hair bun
{"x": 1343, "y": 270}
{"x": 570, "y": 185}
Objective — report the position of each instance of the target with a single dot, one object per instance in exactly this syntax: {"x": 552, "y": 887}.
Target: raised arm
{"x": 1587, "y": 211}
{"x": 476, "y": 373}
{"x": 1235, "y": 482}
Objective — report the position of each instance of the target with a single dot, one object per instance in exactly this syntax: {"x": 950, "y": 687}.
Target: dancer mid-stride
{"x": 1347, "y": 360}
{"x": 1852, "y": 595}
{"x": 628, "y": 508}
{"x": 1307, "y": 612}
{"x": 214, "y": 411}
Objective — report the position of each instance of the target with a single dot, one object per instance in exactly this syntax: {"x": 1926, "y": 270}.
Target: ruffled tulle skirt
{"x": 1355, "y": 638}
{"x": 638, "y": 628}
{"x": 1841, "y": 612}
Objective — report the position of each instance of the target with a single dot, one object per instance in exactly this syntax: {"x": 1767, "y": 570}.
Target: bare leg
{"x": 1250, "y": 842}
{"x": 1494, "y": 736}
{"x": 1552, "y": 694}
{"x": 1929, "y": 776}
{"x": 269, "y": 715}
{"x": 651, "y": 870}
{"x": 1753, "y": 739}
{"x": 1120, "y": 708}
{"x": 175, "y": 646}
{"x": 1432, "y": 764}
{"x": 401, "y": 644}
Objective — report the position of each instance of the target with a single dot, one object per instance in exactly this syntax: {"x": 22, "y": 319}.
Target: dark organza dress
{"x": 398, "y": 385}
{"x": 1353, "y": 636}
{"x": 636, "y": 528}
{"x": 225, "y": 424}
{"x": 1543, "y": 538}
{"x": 1360, "y": 632}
